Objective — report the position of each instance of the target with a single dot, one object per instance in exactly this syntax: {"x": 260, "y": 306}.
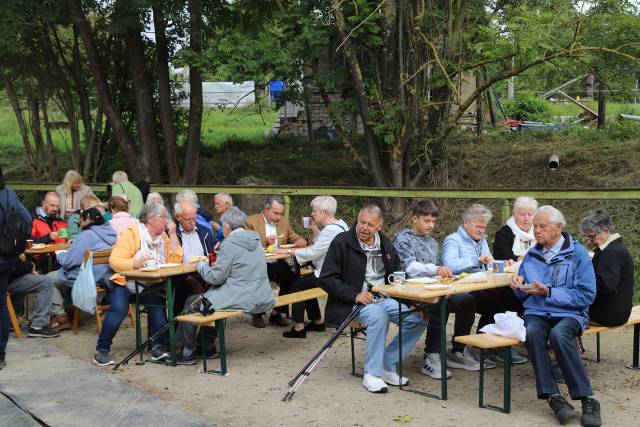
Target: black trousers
{"x": 280, "y": 272}
{"x": 464, "y": 307}
{"x": 312, "y": 306}
{"x": 493, "y": 301}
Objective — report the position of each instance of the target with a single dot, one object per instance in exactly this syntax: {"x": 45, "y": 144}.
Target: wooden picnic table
{"x": 421, "y": 293}
{"x": 48, "y": 250}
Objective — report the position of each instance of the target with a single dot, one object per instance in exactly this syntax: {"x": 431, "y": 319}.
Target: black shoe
{"x": 257, "y": 321}
{"x": 102, "y": 359}
{"x": 561, "y": 407}
{"x": 2, "y": 364}
{"x": 210, "y": 353}
{"x": 590, "y": 412}
{"x": 186, "y": 360}
{"x": 294, "y": 334}
{"x": 312, "y": 326}
{"x": 278, "y": 319}
{"x": 45, "y": 332}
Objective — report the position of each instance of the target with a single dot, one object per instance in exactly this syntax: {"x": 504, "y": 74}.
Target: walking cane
{"x": 206, "y": 310}
{"x": 304, "y": 373}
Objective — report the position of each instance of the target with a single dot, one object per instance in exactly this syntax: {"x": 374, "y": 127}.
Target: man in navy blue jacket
{"x": 556, "y": 285}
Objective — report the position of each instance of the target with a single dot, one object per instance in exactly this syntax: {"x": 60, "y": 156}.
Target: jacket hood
{"x": 105, "y": 232}
{"x": 405, "y": 232}
{"x": 249, "y": 240}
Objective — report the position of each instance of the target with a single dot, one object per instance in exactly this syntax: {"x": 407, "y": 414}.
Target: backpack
{"x": 14, "y": 231}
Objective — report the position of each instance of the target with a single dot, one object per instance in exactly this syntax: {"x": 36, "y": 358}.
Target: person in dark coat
{"x": 613, "y": 267}
{"x": 356, "y": 259}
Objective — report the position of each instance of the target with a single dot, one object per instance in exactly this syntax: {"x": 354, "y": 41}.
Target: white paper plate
{"x": 436, "y": 287}
{"x": 168, "y": 265}
{"x": 149, "y": 269}
{"x": 60, "y": 251}
{"x": 422, "y": 280}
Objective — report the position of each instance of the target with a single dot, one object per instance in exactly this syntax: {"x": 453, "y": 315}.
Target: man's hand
{"x": 283, "y": 251}
{"x": 444, "y": 272}
{"x": 364, "y": 298}
{"x": 300, "y": 243}
{"x": 215, "y": 226}
{"x": 516, "y": 281}
{"x": 54, "y": 235}
{"x": 485, "y": 259}
{"x": 509, "y": 263}
{"x": 139, "y": 263}
{"x": 537, "y": 289}
{"x": 271, "y": 240}
{"x": 171, "y": 228}
{"x": 313, "y": 227}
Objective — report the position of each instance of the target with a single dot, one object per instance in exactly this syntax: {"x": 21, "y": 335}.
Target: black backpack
{"x": 14, "y": 231}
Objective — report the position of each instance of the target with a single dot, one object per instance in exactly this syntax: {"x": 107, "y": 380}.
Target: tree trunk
{"x": 143, "y": 95}
{"x": 375, "y": 162}
{"x": 164, "y": 92}
{"x": 479, "y": 106}
{"x": 112, "y": 111}
{"x": 92, "y": 141}
{"x": 15, "y": 104}
{"x": 602, "y": 101}
{"x": 492, "y": 110}
{"x": 51, "y": 151}
{"x": 34, "y": 115}
{"x": 192, "y": 145}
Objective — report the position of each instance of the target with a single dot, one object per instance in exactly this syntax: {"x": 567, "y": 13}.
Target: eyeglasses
{"x": 590, "y": 236}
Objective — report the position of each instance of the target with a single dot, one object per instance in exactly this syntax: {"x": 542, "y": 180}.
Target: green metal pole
{"x": 505, "y": 210}
{"x": 443, "y": 348}
{"x": 172, "y": 329}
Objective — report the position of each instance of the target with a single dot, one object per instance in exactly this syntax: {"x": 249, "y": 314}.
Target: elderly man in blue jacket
{"x": 556, "y": 284}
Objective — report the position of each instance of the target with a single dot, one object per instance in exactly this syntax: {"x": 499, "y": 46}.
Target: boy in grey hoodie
{"x": 418, "y": 252}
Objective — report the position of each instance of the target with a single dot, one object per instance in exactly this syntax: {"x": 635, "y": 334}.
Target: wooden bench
{"x": 219, "y": 318}
{"x": 634, "y": 320}
{"x": 13, "y": 318}
{"x": 503, "y": 344}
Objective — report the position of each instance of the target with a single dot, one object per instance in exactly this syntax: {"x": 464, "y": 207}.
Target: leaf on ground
{"x": 402, "y": 419}
{"x": 59, "y": 401}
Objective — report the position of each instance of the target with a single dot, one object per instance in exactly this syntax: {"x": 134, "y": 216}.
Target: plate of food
{"x": 60, "y": 251}
{"x": 287, "y": 246}
{"x": 149, "y": 269}
{"x": 38, "y": 246}
{"x": 168, "y": 265}
{"x": 200, "y": 258}
{"x": 422, "y": 280}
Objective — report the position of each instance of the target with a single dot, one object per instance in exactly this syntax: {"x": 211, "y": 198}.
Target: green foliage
{"x": 526, "y": 107}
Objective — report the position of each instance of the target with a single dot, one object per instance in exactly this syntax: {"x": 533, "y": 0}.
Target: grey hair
{"x": 177, "y": 207}
{"x": 524, "y": 202}
{"x": 374, "y": 209}
{"x": 555, "y": 216}
{"x": 187, "y": 194}
{"x": 119, "y": 176}
{"x": 234, "y": 218}
{"x": 325, "y": 203}
{"x": 152, "y": 196}
{"x": 596, "y": 220}
{"x": 477, "y": 211}
{"x": 268, "y": 202}
{"x": 225, "y": 198}
{"x": 151, "y": 210}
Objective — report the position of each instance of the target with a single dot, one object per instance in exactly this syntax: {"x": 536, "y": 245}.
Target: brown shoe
{"x": 257, "y": 321}
{"x": 60, "y": 323}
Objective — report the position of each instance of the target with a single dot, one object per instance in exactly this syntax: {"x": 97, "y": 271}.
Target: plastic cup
{"x": 63, "y": 233}
{"x": 306, "y": 221}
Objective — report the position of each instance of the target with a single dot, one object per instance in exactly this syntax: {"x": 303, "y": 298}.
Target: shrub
{"x": 526, "y": 107}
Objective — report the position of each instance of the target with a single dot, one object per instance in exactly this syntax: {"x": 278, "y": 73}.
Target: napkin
{"x": 118, "y": 279}
{"x": 507, "y": 325}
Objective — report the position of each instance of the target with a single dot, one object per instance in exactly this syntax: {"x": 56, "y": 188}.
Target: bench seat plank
{"x": 299, "y": 296}
{"x": 634, "y": 319}
{"x": 486, "y": 341}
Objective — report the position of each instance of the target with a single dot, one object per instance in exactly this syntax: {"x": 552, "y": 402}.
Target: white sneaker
{"x": 374, "y": 384}
{"x": 474, "y": 353}
{"x": 432, "y": 366}
{"x": 392, "y": 378}
{"x": 462, "y": 360}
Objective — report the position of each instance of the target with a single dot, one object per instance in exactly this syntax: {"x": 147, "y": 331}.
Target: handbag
{"x": 84, "y": 291}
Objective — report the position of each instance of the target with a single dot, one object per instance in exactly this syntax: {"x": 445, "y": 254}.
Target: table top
{"x": 417, "y": 292}
{"x": 161, "y": 273}
{"x": 49, "y": 248}
{"x": 281, "y": 256}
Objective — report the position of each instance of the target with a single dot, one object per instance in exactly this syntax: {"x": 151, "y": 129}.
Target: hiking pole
{"x": 304, "y": 373}
{"x": 205, "y": 311}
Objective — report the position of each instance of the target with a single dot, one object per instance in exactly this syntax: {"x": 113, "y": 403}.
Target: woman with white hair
{"x": 71, "y": 191}
{"x": 121, "y": 185}
{"x": 467, "y": 249}
{"x": 516, "y": 237}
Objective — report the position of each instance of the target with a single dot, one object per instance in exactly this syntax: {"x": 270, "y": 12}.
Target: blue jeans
{"x": 119, "y": 299}
{"x": 377, "y": 317}
{"x": 6, "y": 267}
{"x": 561, "y": 333}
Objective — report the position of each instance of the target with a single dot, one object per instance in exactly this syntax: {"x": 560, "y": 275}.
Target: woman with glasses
{"x": 613, "y": 267}
{"x": 152, "y": 241}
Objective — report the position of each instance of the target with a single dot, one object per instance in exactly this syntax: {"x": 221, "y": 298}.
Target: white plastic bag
{"x": 507, "y": 325}
{"x": 84, "y": 291}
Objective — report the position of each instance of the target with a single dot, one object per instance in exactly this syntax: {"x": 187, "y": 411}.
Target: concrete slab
{"x": 62, "y": 391}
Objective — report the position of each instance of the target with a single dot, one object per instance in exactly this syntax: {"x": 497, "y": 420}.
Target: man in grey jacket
{"x": 238, "y": 279}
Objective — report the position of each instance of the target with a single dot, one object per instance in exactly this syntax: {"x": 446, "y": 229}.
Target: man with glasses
{"x": 613, "y": 267}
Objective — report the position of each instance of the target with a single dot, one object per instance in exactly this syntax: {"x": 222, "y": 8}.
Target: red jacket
{"x": 43, "y": 225}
